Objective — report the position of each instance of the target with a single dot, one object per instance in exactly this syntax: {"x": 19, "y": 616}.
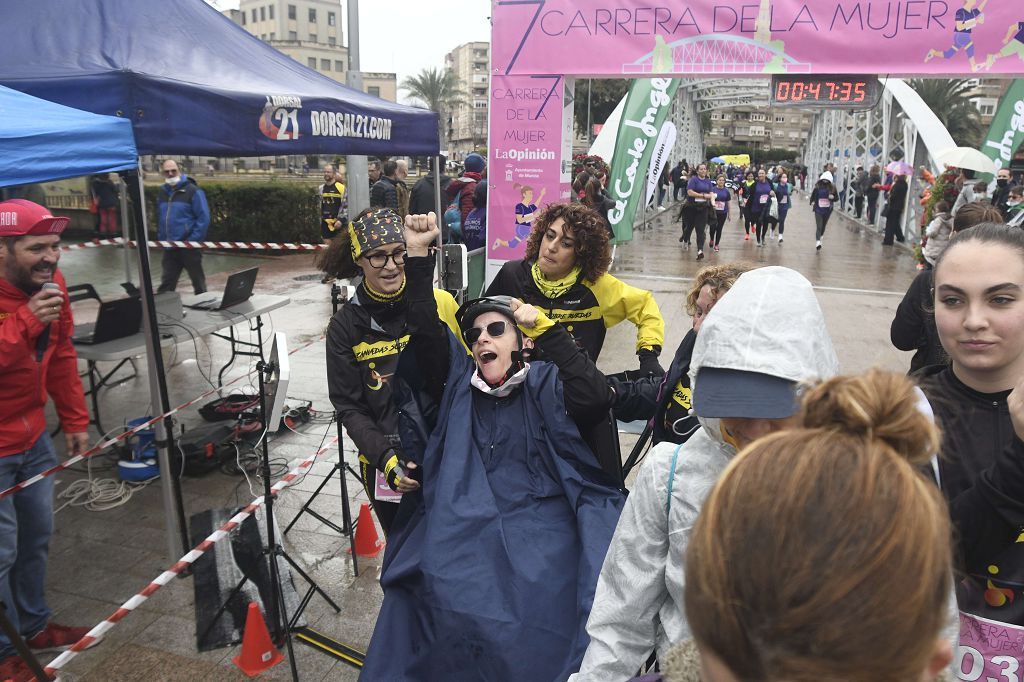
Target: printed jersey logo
{"x": 585, "y": 315}
{"x": 682, "y": 395}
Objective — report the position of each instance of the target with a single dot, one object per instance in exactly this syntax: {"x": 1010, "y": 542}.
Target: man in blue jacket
{"x": 184, "y": 217}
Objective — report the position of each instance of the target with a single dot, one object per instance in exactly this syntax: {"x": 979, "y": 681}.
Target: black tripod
{"x": 281, "y": 625}
{"x": 19, "y": 645}
{"x": 338, "y": 297}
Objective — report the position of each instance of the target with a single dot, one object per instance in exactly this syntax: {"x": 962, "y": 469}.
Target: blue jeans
{"x": 26, "y": 523}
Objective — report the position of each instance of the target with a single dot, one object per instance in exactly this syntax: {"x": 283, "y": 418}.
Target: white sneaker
{"x": 780, "y": 238}
{"x": 661, "y": 207}
{"x": 818, "y": 245}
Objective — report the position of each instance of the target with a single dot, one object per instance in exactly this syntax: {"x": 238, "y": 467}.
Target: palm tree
{"x": 438, "y": 90}
{"x": 949, "y": 98}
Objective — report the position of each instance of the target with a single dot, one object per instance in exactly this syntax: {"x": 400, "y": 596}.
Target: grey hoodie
{"x": 770, "y": 322}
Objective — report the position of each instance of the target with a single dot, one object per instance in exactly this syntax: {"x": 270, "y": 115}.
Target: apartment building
{"x": 760, "y": 128}
{"x": 468, "y": 121}
{"x": 310, "y": 32}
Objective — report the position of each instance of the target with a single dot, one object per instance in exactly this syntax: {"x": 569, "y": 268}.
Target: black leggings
{"x": 716, "y": 229}
{"x": 762, "y": 223}
{"x": 695, "y": 218}
{"x": 782, "y": 221}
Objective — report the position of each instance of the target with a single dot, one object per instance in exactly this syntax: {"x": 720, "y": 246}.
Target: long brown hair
{"x": 823, "y": 553}
{"x": 588, "y": 229}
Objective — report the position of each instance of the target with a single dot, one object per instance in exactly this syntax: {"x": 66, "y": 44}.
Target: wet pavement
{"x": 101, "y": 558}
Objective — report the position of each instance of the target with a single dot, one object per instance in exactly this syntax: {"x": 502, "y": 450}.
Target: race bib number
{"x": 989, "y": 650}
{"x": 784, "y": 199}
{"x": 719, "y": 205}
{"x": 824, "y": 203}
{"x": 764, "y": 198}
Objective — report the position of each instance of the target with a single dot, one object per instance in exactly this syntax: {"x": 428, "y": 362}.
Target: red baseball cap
{"x": 19, "y": 217}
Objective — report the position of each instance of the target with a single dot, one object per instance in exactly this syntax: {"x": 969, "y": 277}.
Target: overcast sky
{"x": 405, "y": 36}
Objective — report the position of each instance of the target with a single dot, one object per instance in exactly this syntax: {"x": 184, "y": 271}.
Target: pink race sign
{"x": 643, "y": 37}
{"x": 524, "y": 159}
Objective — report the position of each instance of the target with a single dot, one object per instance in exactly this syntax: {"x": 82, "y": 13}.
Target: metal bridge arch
{"x": 902, "y": 125}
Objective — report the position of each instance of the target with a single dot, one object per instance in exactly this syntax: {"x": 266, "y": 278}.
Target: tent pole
{"x": 125, "y": 231}
{"x": 170, "y": 482}
{"x": 436, "y": 162}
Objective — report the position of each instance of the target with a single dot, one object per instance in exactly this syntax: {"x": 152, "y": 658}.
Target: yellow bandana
{"x": 557, "y": 287}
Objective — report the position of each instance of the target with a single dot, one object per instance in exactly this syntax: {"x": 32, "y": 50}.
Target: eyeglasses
{"x": 494, "y": 330}
{"x": 380, "y": 260}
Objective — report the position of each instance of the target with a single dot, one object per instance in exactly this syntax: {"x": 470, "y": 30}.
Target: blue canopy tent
{"x": 191, "y": 81}
{"x": 42, "y": 141}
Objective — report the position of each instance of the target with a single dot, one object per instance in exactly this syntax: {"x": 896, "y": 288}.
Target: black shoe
{"x": 700, "y": 255}
{"x": 681, "y": 240}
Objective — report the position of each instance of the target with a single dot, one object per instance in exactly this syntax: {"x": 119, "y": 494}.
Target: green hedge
{"x": 255, "y": 212}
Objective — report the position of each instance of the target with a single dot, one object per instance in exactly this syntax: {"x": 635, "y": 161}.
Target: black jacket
{"x": 384, "y": 193}
{"x": 422, "y": 200}
{"x": 981, "y": 474}
{"x": 651, "y": 397}
{"x": 364, "y": 341}
{"x": 913, "y": 326}
{"x": 588, "y": 308}
{"x": 999, "y": 197}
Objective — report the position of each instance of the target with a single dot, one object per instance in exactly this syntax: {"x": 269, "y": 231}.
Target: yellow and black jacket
{"x": 333, "y": 209}
{"x": 587, "y": 309}
{"x": 364, "y": 340}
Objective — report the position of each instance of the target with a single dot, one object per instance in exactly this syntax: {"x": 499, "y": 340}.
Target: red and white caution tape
{"x": 154, "y": 244}
{"x": 182, "y": 564}
{"x": 99, "y": 447}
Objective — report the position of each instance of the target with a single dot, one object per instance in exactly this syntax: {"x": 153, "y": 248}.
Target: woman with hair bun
{"x": 978, "y": 402}
{"x": 823, "y": 553}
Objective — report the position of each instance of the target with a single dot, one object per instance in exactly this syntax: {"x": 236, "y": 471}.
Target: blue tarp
{"x": 42, "y": 141}
{"x": 193, "y": 82}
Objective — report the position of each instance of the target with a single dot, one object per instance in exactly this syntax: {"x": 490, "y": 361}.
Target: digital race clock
{"x": 847, "y": 92}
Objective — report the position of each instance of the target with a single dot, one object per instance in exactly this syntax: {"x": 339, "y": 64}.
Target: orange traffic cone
{"x": 258, "y": 652}
{"x": 368, "y": 543}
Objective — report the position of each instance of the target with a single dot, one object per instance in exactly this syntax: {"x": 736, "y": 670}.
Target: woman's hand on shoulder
{"x": 421, "y": 233}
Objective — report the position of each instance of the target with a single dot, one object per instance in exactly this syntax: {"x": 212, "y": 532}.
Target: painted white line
{"x": 668, "y": 278}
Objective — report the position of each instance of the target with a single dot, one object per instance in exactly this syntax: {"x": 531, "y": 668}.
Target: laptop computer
{"x": 116, "y": 319}
{"x": 237, "y": 290}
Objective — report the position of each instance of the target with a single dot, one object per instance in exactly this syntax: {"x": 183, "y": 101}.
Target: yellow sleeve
{"x": 620, "y": 301}
{"x": 544, "y": 323}
{"x": 446, "y": 307}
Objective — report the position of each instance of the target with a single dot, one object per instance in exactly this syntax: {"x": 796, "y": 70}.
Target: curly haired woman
{"x": 565, "y": 273}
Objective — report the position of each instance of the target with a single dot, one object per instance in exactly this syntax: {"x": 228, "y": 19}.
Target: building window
{"x": 270, "y": 8}
{"x": 273, "y": 35}
{"x": 987, "y": 110}
{"x": 338, "y": 65}
{"x": 263, "y": 13}
{"x": 293, "y": 35}
{"x": 263, "y": 36}
{"x": 332, "y": 41}
{"x": 243, "y": 18}
{"x": 313, "y": 38}
{"x": 373, "y": 90}
{"x": 254, "y": 15}
{"x": 331, "y": 20}
{"x": 291, "y": 11}
{"x": 780, "y": 119}
{"x": 311, "y": 62}
{"x": 325, "y": 64}
{"x": 312, "y": 15}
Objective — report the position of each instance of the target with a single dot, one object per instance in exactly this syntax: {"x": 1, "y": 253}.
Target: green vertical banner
{"x": 647, "y": 106}
{"x": 1007, "y": 131}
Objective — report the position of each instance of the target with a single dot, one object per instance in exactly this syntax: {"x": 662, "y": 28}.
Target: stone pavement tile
{"x": 177, "y": 635}
{"x": 129, "y": 663}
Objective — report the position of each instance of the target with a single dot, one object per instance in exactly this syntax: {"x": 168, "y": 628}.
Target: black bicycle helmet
{"x": 470, "y": 310}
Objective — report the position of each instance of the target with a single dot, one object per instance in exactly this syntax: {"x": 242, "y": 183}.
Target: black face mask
{"x": 1002, "y": 182}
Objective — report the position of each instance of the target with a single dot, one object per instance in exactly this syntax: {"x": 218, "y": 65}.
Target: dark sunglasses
{"x": 494, "y": 330}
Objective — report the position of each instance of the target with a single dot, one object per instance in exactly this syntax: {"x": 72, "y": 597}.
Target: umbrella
{"x": 718, "y": 159}
{"x": 899, "y": 168}
{"x": 967, "y": 157}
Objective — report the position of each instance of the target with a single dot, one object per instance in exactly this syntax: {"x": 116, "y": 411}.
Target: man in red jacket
{"x": 37, "y": 360}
